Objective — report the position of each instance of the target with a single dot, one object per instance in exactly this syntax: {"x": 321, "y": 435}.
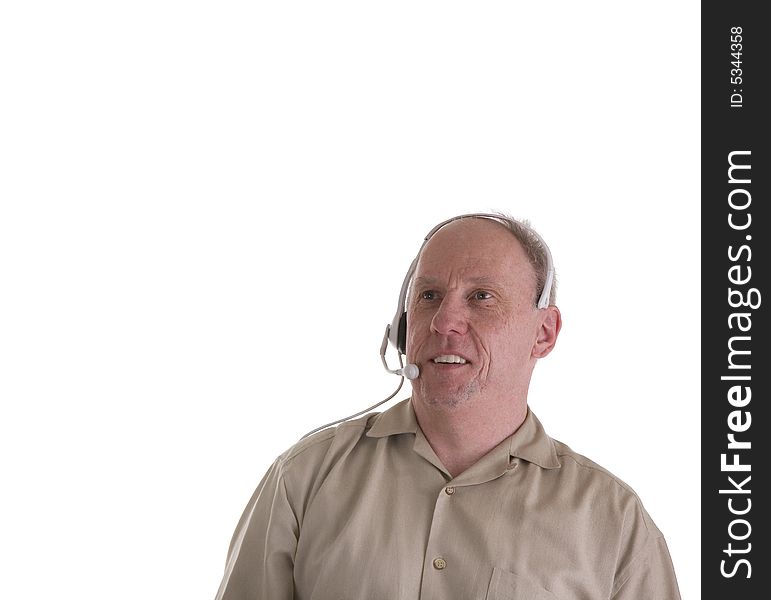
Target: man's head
{"x": 473, "y": 325}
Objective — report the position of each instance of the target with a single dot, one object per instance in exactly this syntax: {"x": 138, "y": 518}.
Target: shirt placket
{"x": 441, "y": 563}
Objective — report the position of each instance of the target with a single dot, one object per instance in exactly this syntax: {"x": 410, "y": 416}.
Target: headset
{"x": 396, "y": 330}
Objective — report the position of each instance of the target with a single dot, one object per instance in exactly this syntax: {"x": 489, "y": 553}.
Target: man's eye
{"x": 482, "y": 295}
{"x": 428, "y": 295}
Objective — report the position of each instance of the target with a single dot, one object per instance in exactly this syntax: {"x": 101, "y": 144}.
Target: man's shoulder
{"x": 607, "y": 490}
{"x": 572, "y": 460}
{"x": 571, "y": 466}
{"x": 333, "y": 440}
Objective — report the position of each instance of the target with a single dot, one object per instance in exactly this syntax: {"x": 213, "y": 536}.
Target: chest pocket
{"x": 508, "y": 586}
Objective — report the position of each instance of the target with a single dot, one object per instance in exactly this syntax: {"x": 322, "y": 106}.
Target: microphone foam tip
{"x": 410, "y": 371}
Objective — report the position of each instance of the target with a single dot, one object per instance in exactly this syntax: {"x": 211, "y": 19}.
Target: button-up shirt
{"x": 366, "y": 511}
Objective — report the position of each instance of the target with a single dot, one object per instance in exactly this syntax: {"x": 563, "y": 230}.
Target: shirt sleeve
{"x": 651, "y": 575}
{"x": 261, "y": 558}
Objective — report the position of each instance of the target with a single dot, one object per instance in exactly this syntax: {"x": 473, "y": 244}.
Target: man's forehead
{"x": 474, "y": 237}
{"x": 431, "y": 280}
{"x": 470, "y": 243}
{"x": 477, "y": 250}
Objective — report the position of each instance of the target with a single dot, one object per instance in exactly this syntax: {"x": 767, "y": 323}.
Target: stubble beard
{"x": 452, "y": 398}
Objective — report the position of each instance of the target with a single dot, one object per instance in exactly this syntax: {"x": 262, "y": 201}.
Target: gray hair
{"x": 537, "y": 254}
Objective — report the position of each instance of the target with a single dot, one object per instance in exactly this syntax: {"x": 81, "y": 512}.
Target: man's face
{"x": 472, "y": 321}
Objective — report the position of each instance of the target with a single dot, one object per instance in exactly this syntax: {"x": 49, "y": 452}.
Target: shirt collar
{"x": 530, "y": 442}
{"x": 400, "y": 418}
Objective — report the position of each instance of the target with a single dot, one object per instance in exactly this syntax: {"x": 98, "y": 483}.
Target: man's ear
{"x": 551, "y": 323}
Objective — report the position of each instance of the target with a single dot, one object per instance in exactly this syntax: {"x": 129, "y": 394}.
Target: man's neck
{"x": 461, "y": 435}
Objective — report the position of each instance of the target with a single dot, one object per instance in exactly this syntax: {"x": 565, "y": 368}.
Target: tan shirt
{"x": 366, "y": 511}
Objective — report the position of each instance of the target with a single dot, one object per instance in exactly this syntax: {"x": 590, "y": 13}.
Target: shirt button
{"x": 440, "y": 563}
{"x": 449, "y": 490}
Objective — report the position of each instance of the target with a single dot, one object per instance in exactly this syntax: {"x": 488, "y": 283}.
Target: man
{"x": 457, "y": 492}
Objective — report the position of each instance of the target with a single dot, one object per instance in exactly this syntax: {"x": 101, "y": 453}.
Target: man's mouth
{"x": 449, "y": 359}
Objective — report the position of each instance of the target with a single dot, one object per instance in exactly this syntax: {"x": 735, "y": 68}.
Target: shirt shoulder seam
{"x": 321, "y": 437}
{"x": 605, "y": 472}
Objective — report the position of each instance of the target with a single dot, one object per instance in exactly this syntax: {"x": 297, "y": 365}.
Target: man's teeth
{"x": 450, "y": 358}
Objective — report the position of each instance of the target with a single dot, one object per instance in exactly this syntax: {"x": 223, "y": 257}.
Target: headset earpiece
{"x": 402, "y": 334}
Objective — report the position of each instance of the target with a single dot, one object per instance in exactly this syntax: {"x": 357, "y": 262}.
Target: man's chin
{"x": 447, "y": 396}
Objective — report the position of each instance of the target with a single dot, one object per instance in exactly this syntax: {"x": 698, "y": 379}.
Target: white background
{"x": 207, "y": 212}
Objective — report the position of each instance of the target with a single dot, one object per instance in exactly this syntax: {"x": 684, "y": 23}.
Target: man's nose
{"x": 450, "y": 317}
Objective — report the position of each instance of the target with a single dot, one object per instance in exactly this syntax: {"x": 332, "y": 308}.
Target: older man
{"x": 457, "y": 492}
